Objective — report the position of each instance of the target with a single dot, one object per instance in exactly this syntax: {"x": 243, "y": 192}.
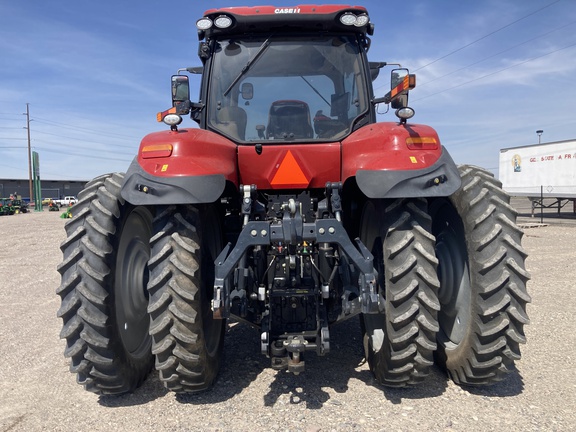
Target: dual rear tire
{"x": 452, "y": 279}
{"x": 187, "y": 340}
{"x": 103, "y": 289}
{"x": 129, "y": 296}
{"x": 400, "y": 340}
{"x": 483, "y": 278}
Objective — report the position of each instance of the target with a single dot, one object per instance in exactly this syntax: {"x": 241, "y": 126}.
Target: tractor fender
{"x": 188, "y": 166}
{"x": 440, "y": 179}
{"x": 393, "y": 160}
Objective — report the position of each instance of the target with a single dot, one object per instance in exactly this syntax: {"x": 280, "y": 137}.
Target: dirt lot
{"x": 37, "y": 392}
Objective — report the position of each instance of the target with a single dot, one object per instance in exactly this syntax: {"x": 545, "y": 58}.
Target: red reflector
{"x": 156, "y": 151}
{"x": 289, "y": 174}
{"x": 421, "y": 143}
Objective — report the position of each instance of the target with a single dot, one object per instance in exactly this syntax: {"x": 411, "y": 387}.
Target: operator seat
{"x": 232, "y": 121}
{"x": 289, "y": 119}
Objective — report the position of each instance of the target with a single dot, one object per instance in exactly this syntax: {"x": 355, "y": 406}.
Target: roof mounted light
{"x": 348, "y": 18}
{"x": 172, "y": 120}
{"x": 405, "y": 113}
{"x": 204, "y": 23}
{"x": 362, "y": 20}
{"x": 223, "y": 21}
{"x": 351, "y": 19}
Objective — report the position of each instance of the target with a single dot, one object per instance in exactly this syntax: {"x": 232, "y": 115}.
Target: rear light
{"x": 172, "y": 119}
{"x": 204, "y": 23}
{"x": 156, "y": 151}
{"x": 422, "y": 143}
{"x": 223, "y": 21}
{"x": 362, "y": 20}
{"x": 348, "y": 18}
{"x": 405, "y": 113}
{"x": 351, "y": 19}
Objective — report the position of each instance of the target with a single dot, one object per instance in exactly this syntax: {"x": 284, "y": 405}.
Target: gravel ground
{"x": 336, "y": 393}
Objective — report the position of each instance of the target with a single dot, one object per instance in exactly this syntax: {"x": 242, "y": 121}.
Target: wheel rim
{"x": 455, "y": 291}
{"x": 371, "y": 237}
{"x": 132, "y": 275}
{"x": 212, "y": 328}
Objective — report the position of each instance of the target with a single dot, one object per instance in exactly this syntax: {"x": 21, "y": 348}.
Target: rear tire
{"x": 483, "y": 279}
{"x": 103, "y": 289}
{"x": 187, "y": 340}
{"x": 400, "y": 340}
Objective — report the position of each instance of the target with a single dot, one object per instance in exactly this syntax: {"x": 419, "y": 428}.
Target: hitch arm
{"x": 254, "y": 233}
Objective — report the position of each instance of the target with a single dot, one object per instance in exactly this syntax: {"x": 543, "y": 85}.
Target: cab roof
{"x": 297, "y": 19}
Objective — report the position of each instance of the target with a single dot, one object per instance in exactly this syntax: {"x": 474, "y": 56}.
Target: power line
{"x": 77, "y": 147}
{"x": 497, "y": 72}
{"x": 485, "y": 36}
{"x": 82, "y": 155}
{"x": 79, "y": 128}
{"x": 107, "y": 122}
{"x": 84, "y": 140}
{"x": 497, "y": 54}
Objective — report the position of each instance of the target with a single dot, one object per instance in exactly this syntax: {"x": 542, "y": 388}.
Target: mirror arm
{"x": 195, "y": 70}
{"x": 187, "y": 107}
{"x": 384, "y": 99}
{"x": 197, "y": 106}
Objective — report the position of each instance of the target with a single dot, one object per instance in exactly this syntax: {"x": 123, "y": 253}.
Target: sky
{"x": 490, "y": 73}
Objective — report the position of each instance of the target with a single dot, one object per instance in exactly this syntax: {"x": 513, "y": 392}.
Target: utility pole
{"x": 29, "y": 150}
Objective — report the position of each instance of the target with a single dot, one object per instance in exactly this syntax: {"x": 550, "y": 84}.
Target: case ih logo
{"x": 287, "y": 11}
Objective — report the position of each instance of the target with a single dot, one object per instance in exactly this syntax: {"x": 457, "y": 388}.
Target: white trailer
{"x": 540, "y": 171}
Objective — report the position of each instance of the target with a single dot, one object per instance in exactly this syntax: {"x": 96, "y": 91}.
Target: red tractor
{"x": 291, "y": 208}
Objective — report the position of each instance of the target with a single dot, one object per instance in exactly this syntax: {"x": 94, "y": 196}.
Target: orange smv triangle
{"x": 289, "y": 174}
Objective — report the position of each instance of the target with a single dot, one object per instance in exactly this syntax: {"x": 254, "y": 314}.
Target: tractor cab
{"x": 287, "y": 77}
{"x": 282, "y": 80}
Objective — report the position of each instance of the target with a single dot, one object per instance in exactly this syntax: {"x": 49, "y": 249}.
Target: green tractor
{"x": 6, "y": 206}
{"x": 20, "y": 206}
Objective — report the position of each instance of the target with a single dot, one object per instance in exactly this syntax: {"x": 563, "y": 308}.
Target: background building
{"x": 50, "y": 188}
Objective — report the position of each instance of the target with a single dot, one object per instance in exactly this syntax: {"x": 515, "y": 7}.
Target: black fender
{"x": 440, "y": 179}
{"x": 143, "y": 188}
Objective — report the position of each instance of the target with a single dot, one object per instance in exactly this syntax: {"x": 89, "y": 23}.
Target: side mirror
{"x": 180, "y": 89}
{"x": 397, "y": 79}
{"x": 401, "y": 82}
{"x": 397, "y": 76}
{"x": 181, "y": 94}
{"x": 247, "y": 91}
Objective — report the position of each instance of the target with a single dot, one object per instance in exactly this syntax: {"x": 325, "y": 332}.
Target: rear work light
{"x": 204, "y": 23}
{"x": 362, "y": 20}
{"x": 223, "y": 21}
{"x": 405, "y": 113}
{"x": 351, "y": 19}
{"x": 172, "y": 119}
